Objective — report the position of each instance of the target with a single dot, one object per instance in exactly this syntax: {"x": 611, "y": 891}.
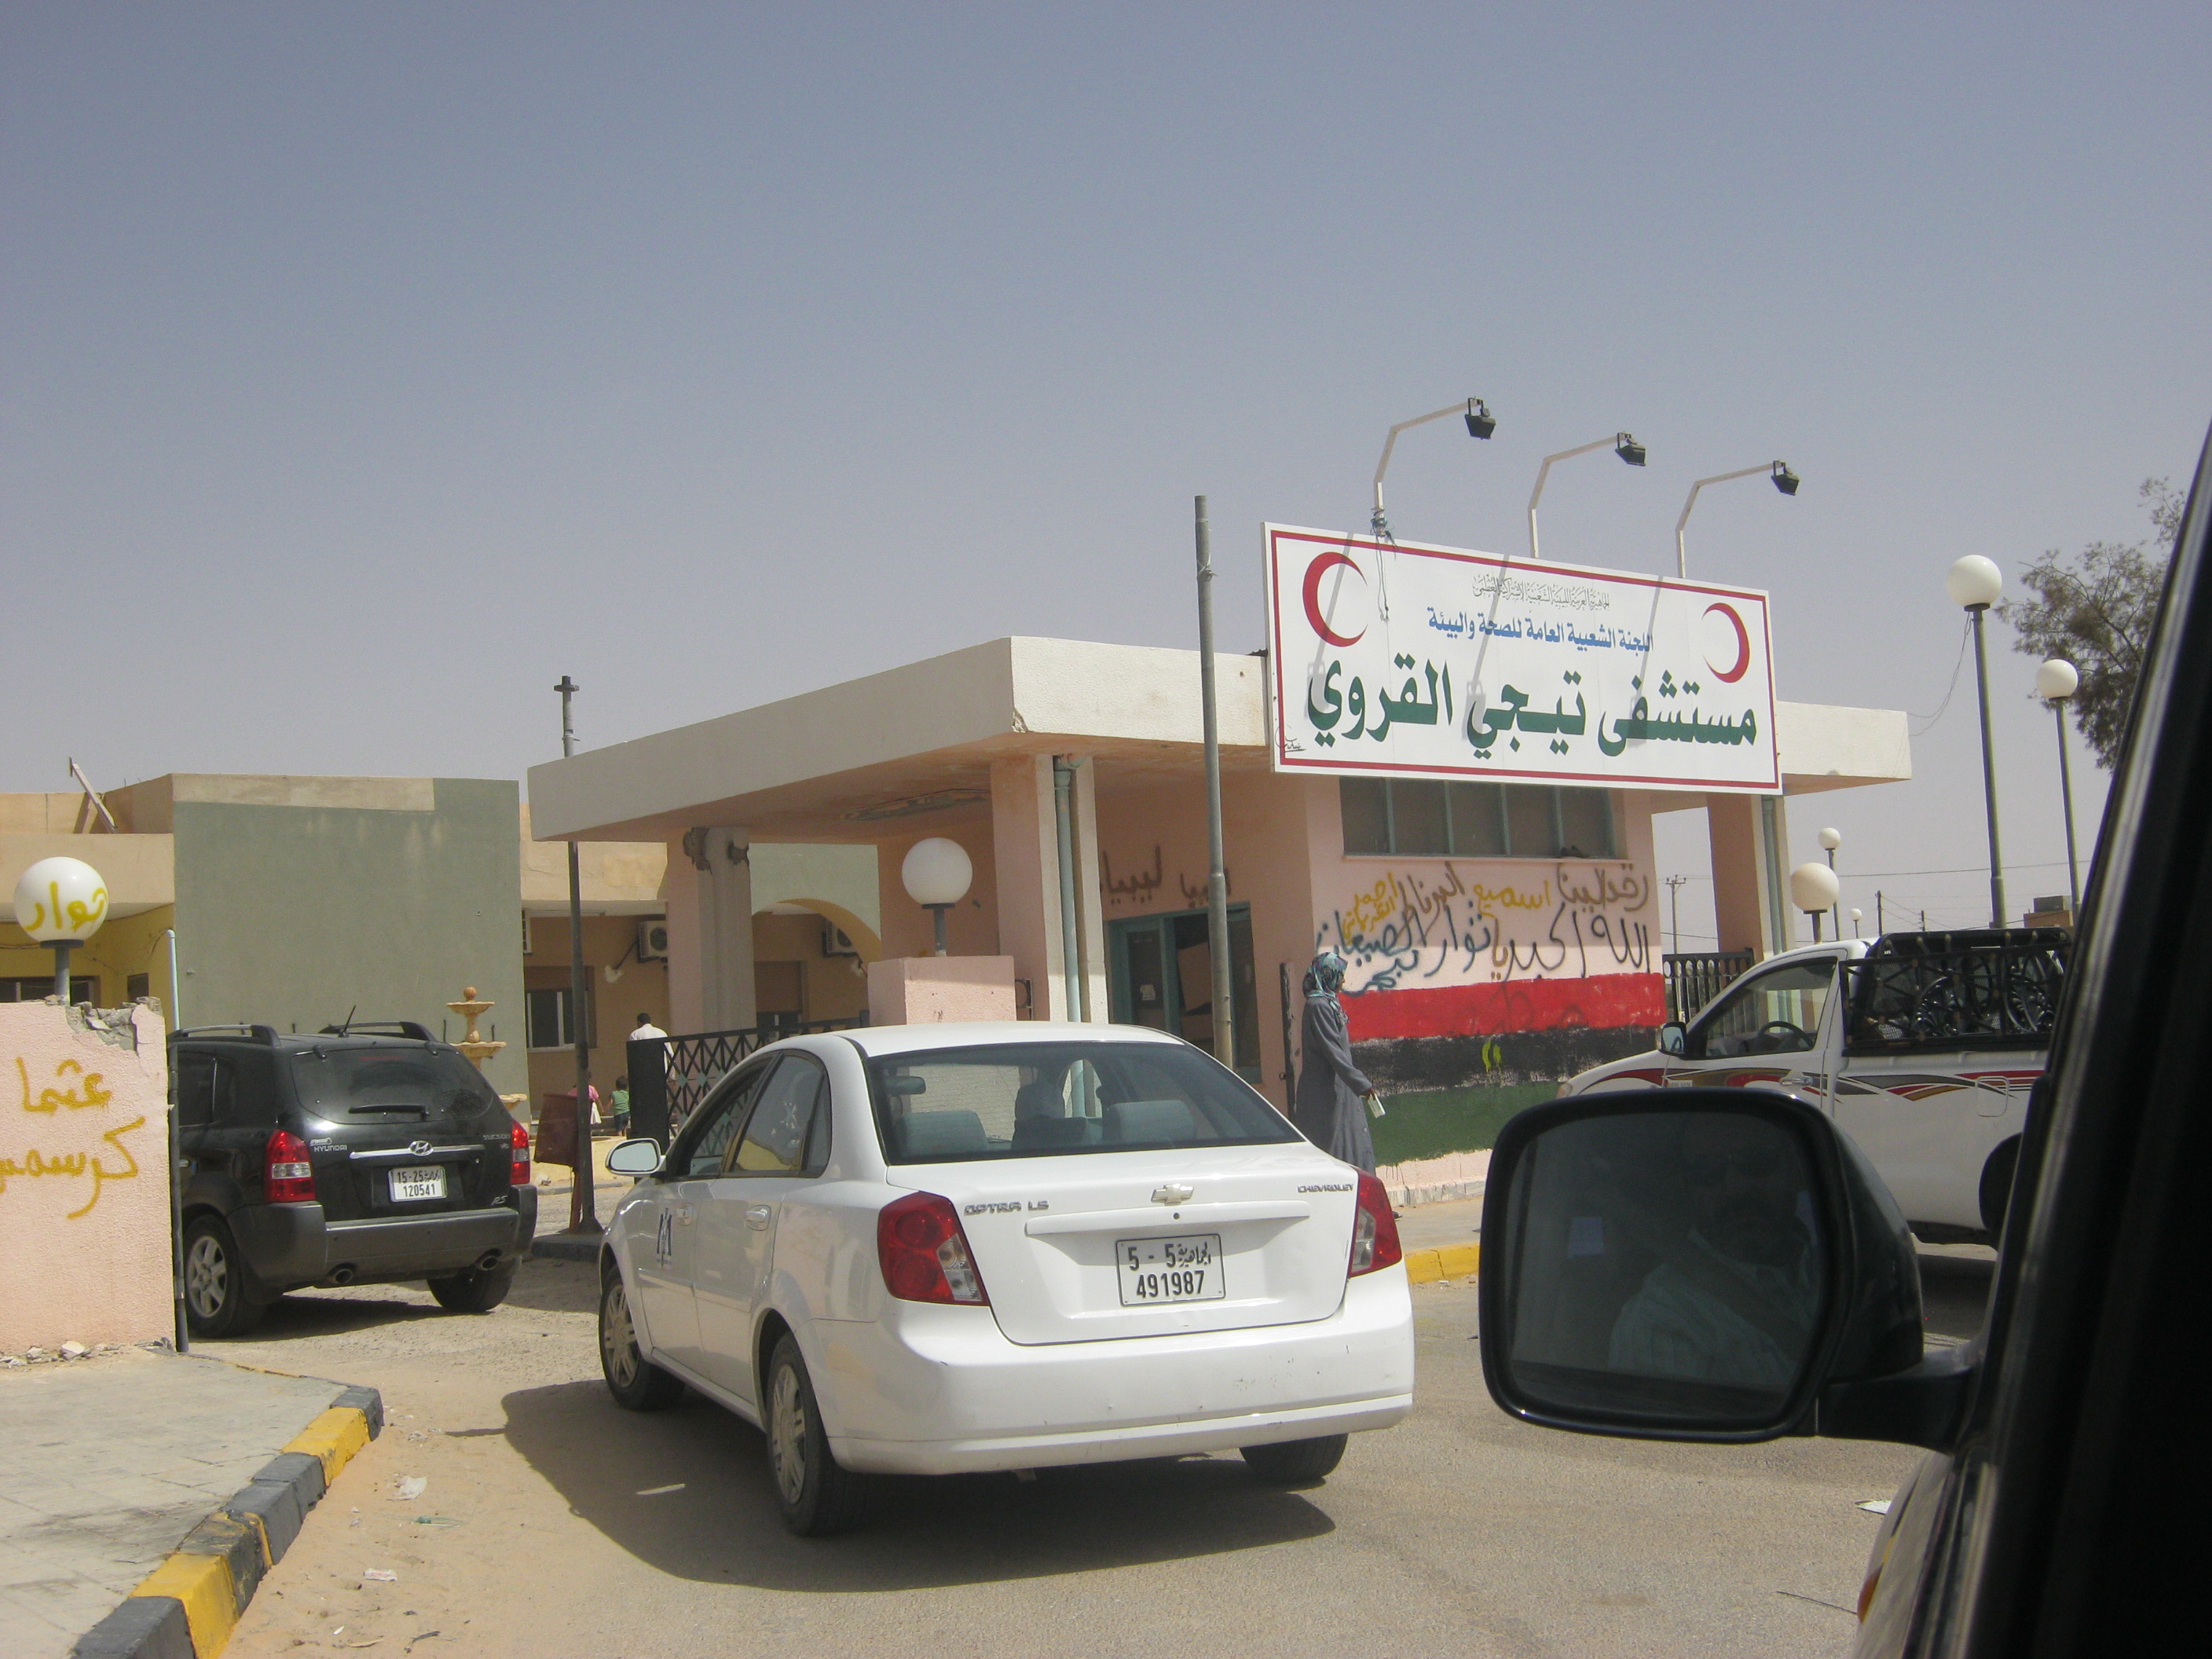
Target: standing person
{"x": 1332, "y": 1093}
{"x": 621, "y": 1099}
{"x": 645, "y": 1030}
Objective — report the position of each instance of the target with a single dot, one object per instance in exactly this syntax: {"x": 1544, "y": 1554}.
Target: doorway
{"x": 1161, "y": 974}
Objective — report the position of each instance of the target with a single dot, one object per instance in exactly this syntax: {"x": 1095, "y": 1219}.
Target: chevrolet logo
{"x": 1175, "y": 1192}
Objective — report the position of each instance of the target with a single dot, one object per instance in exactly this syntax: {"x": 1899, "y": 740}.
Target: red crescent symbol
{"x": 1730, "y": 675}
{"x": 1320, "y": 567}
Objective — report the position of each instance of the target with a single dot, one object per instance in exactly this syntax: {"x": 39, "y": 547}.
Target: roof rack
{"x": 398, "y": 1028}
{"x": 251, "y": 1033}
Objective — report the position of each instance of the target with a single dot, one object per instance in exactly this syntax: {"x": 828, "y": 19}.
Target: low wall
{"x": 84, "y": 1209}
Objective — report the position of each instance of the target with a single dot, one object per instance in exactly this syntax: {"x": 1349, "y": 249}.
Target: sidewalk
{"x": 109, "y": 1462}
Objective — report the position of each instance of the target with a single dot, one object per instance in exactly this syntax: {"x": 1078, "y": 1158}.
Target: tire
{"x": 217, "y": 1302}
{"x": 816, "y": 1495}
{"x": 1296, "y": 1463}
{"x": 474, "y": 1291}
{"x": 636, "y": 1381}
{"x": 1996, "y": 1189}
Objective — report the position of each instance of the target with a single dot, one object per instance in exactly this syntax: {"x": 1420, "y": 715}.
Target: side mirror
{"x": 1702, "y": 1264}
{"x": 1672, "y": 1036}
{"x": 633, "y": 1158}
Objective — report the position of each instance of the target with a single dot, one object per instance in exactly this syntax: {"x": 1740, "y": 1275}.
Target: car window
{"x": 1777, "y": 1011}
{"x": 776, "y": 1137}
{"x": 704, "y": 1146}
{"x": 1056, "y": 1099}
{"x": 195, "y": 1089}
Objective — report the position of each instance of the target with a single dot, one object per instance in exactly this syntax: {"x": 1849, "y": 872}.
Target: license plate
{"x": 423, "y": 1180}
{"x": 1157, "y": 1271}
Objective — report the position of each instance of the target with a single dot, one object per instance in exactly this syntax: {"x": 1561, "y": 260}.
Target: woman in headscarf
{"x": 1331, "y": 1108}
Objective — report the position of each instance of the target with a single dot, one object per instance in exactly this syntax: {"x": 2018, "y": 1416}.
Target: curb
{"x": 1442, "y": 1262}
{"x": 187, "y": 1607}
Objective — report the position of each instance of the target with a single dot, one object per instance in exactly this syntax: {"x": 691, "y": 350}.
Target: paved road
{"x": 554, "y": 1524}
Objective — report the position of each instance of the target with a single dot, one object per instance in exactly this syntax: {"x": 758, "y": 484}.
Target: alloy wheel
{"x": 618, "y": 1338}
{"x": 207, "y": 1276}
{"x": 788, "y": 1435}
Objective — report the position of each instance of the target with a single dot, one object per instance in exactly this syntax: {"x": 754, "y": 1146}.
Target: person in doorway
{"x": 1332, "y": 1095}
{"x": 645, "y": 1030}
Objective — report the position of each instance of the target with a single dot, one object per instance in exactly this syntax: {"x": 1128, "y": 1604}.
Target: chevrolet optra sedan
{"x": 929, "y": 1250}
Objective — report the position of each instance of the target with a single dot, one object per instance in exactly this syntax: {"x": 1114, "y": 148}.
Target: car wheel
{"x": 1296, "y": 1463}
{"x": 215, "y": 1300}
{"x": 635, "y": 1380}
{"x": 818, "y": 1495}
{"x": 1996, "y": 1188}
{"x": 474, "y": 1290}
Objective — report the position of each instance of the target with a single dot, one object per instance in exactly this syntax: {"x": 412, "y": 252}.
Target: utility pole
{"x": 1675, "y": 883}
{"x": 583, "y": 1202}
{"x": 1217, "y": 870}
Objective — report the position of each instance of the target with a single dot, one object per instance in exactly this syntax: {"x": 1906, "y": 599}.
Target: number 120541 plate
{"x": 1185, "y": 1268}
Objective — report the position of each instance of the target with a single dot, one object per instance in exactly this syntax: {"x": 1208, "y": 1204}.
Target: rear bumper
{"x": 287, "y": 1246}
{"x": 938, "y": 1390}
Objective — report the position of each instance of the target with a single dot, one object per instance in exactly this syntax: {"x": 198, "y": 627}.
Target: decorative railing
{"x": 670, "y": 1076}
{"x": 1995, "y": 995}
{"x": 1695, "y": 978}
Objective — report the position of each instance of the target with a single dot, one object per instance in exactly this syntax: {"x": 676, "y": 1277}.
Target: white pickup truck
{"x": 1922, "y": 1047}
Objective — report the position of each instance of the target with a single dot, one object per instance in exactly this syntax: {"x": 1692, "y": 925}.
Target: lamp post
{"x": 1831, "y": 840}
{"x": 1813, "y": 889}
{"x": 61, "y": 902}
{"x": 1975, "y": 582}
{"x": 1217, "y": 867}
{"x": 936, "y": 873}
{"x": 2055, "y": 682}
{"x": 583, "y": 1197}
{"x": 1784, "y": 480}
{"x": 1480, "y": 423}
{"x": 1624, "y": 445}
{"x": 1857, "y": 915}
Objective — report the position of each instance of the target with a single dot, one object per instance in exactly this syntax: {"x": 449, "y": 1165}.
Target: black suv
{"x": 362, "y": 1155}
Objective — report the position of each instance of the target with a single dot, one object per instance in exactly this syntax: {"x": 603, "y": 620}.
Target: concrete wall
{"x": 84, "y": 1212}
{"x": 299, "y": 899}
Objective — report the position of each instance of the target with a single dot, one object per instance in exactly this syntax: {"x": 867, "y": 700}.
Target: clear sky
{"x": 366, "y": 367}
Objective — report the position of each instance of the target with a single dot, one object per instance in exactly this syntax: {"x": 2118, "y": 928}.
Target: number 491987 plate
{"x": 1159, "y": 1271}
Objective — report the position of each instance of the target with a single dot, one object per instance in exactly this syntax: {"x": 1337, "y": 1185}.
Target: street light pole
{"x": 1480, "y": 423}
{"x": 1831, "y": 840}
{"x": 1624, "y": 445}
{"x": 1975, "y": 582}
{"x": 1216, "y": 866}
{"x": 1675, "y": 883}
{"x": 583, "y": 1202}
{"x": 1784, "y": 480}
{"x": 2055, "y": 682}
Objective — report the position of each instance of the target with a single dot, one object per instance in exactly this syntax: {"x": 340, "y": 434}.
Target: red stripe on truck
{"x": 1604, "y": 1001}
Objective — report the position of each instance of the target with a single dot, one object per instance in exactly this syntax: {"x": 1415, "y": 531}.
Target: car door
{"x": 781, "y": 1149}
{"x": 1765, "y": 1031}
{"x": 665, "y": 1234}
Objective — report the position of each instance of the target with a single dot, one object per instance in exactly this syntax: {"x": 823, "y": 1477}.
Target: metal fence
{"x": 670, "y": 1076}
{"x": 1993, "y": 995}
{"x": 1695, "y": 978}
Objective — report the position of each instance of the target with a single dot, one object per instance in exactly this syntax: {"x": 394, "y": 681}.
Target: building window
{"x": 1427, "y": 818}
{"x": 548, "y": 1019}
{"x": 83, "y": 988}
{"x": 137, "y": 986}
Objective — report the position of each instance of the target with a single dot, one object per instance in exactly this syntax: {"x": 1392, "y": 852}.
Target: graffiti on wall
{"x": 1141, "y": 889}
{"x": 1407, "y": 928}
{"x": 69, "y": 1091}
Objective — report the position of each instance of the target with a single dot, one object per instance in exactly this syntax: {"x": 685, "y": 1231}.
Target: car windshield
{"x": 411, "y": 1082}
{"x": 1058, "y": 1099}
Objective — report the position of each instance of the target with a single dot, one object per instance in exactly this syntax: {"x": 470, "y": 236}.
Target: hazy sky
{"x": 368, "y": 367}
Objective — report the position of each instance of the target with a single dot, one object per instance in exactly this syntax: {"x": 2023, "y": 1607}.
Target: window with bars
{"x": 1421, "y": 817}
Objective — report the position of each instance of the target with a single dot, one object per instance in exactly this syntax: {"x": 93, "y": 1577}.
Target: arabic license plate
{"x": 422, "y": 1181}
{"x": 1159, "y": 1271}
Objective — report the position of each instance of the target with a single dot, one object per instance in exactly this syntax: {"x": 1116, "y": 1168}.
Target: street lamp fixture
{"x": 2055, "y": 682}
{"x": 1480, "y": 423}
{"x": 1813, "y": 889}
{"x": 1783, "y": 479}
{"x": 936, "y": 873}
{"x": 1974, "y": 583}
{"x": 61, "y": 901}
{"x": 1624, "y": 445}
{"x": 1831, "y": 840}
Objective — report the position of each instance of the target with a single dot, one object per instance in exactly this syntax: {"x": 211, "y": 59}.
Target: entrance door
{"x": 1162, "y": 975}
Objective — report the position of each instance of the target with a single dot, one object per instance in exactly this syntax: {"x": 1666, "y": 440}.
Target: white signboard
{"x": 1400, "y": 661}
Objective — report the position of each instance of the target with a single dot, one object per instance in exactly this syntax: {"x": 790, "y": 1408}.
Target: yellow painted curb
{"x": 1444, "y": 1261}
{"x": 202, "y": 1584}
{"x": 334, "y": 1436}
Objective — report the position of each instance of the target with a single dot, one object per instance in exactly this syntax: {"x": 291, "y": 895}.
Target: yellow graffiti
{"x": 1372, "y": 909}
{"x": 81, "y": 917}
{"x": 1512, "y": 897}
{"x": 34, "y": 1164}
{"x": 52, "y": 1100}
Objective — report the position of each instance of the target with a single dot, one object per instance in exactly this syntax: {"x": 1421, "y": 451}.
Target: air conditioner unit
{"x": 836, "y": 942}
{"x": 652, "y": 939}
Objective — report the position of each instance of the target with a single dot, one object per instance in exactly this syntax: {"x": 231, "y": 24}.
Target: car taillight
{"x": 287, "y": 1176}
{"x": 1374, "y": 1231}
{"x": 517, "y": 1173}
{"x": 924, "y": 1252}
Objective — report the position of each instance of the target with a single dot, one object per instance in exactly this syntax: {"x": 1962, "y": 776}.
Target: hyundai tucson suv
{"x": 362, "y": 1155}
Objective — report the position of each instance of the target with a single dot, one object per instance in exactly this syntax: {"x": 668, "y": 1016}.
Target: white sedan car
{"x": 929, "y": 1249}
